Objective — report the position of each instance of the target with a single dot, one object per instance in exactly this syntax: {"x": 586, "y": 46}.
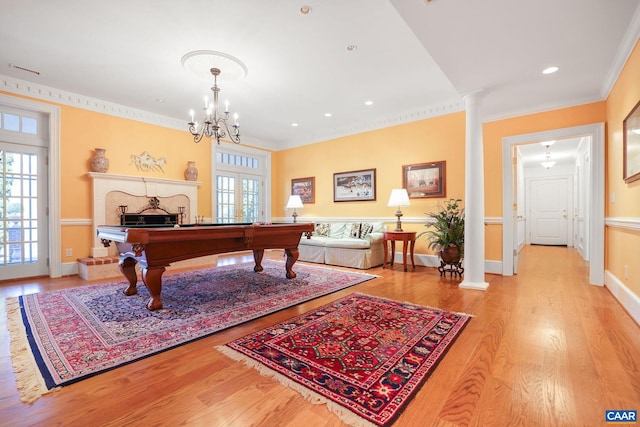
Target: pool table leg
{"x": 152, "y": 278}
{"x": 127, "y": 267}
{"x": 292, "y": 257}
{"x": 257, "y": 257}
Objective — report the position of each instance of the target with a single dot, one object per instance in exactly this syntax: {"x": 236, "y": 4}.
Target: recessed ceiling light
{"x": 351, "y": 47}
{"x": 295, "y": 125}
{"x": 327, "y": 114}
{"x": 305, "y": 10}
{"x": 368, "y": 102}
{"x": 550, "y": 70}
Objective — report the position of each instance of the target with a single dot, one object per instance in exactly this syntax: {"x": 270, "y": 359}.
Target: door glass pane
{"x": 250, "y": 200}
{"x": 225, "y": 196}
{"x": 11, "y": 122}
{"x": 18, "y": 208}
{"x": 29, "y": 125}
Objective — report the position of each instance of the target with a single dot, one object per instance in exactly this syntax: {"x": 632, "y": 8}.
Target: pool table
{"x": 157, "y": 246}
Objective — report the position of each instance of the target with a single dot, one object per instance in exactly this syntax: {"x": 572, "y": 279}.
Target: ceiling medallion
{"x": 200, "y": 62}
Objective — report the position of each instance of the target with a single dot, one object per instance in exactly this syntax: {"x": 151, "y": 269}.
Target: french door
{"x": 23, "y": 211}
{"x": 239, "y": 198}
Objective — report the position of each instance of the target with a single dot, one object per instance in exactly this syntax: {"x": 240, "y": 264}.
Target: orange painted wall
{"x": 386, "y": 150}
{"x": 494, "y": 132}
{"x": 81, "y": 131}
{"x": 439, "y": 138}
{"x": 623, "y": 97}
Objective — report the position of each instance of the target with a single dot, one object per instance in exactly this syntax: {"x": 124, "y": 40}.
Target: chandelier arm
{"x": 215, "y": 125}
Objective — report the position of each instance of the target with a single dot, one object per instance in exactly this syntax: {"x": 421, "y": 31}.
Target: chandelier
{"x": 215, "y": 124}
{"x": 548, "y": 163}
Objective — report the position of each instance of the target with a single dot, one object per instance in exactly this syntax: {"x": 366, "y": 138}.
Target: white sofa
{"x": 346, "y": 244}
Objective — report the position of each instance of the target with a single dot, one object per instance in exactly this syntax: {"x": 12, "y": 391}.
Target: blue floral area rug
{"x": 63, "y": 336}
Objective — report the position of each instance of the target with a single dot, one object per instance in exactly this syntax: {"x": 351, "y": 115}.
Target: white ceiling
{"x": 562, "y": 151}
{"x": 414, "y": 58}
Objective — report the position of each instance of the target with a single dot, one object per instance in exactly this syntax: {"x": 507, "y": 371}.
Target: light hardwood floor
{"x": 544, "y": 348}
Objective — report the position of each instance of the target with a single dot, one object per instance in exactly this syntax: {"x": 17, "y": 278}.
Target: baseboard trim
{"x": 627, "y": 299}
{"x": 491, "y": 267}
{"x": 69, "y": 268}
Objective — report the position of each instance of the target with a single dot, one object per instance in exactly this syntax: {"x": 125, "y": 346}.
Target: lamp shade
{"x": 399, "y": 197}
{"x": 294, "y": 202}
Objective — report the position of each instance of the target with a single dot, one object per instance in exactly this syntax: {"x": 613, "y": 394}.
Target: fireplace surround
{"x": 110, "y": 191}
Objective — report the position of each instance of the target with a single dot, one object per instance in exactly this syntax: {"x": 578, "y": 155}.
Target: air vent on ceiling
{"x": 17, "y": 67}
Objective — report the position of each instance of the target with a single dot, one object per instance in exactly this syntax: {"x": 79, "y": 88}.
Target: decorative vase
{"x": 191, "y": 173}
{"x": 450, "y": 254}
{"x": 99, "y": 163}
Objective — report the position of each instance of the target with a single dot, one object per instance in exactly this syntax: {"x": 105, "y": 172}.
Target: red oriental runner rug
{"x": 361, "y": 355}
{"x": 63, "y": 336}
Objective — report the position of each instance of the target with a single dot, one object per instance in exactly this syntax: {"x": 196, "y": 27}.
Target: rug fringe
{"x": 344, "y": 414}
{"x": 28, "y": 378}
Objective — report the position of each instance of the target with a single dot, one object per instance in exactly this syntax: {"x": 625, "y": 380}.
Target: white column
{"x": 474, "y": 197}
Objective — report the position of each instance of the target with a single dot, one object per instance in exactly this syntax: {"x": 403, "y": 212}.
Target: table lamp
{"x": 399, "y": 197}
{"x": 295, "y": 202}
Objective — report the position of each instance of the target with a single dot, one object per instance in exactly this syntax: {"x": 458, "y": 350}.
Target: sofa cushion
{"x": 375, "y": 237}
{"x": 315, "y": 241}
{"x": 378, "y": 227}
{"x": 322, "y": 230}
{"x": 337, "y": 230}
{"x": 348, "y": 243}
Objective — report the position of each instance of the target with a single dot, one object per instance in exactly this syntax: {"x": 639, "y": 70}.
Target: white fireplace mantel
{"x": 104, "y": 183}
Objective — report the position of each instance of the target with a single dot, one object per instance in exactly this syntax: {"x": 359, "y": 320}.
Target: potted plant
{"x": 445, "y": 231}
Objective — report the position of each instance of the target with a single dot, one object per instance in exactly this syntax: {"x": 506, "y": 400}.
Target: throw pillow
{"x": 355, "y": 231}
{"x": 322, "y": 230}
{"x": 365, "y": 229}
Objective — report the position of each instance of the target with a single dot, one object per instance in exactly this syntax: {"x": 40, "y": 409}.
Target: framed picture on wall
{"x": 305, "y": 188}
{"x": 354, "y": 186}
{"x": 631, "y": 144}
{"x": 425, "y": 180}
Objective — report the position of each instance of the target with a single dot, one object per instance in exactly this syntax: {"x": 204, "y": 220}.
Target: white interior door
{"x": 548, "y": 211}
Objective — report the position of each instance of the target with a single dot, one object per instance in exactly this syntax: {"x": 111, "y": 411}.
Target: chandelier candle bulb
{"x": 216, "y": 125}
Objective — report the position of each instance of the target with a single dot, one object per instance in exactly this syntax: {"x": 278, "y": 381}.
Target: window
{"x": 19, "y": 123}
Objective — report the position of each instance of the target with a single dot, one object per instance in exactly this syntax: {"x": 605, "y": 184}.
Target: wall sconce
{"x": 399, "y": 197}
{"x": 295, "y": 202}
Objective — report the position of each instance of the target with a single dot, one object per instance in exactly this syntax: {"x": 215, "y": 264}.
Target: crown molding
{"x": 425, "y": 112}
{"x": 629, "y": 41}
{"x": 57, "y": 96}
{"x": 45, "y": 93}
{"x": 543, "y": 108}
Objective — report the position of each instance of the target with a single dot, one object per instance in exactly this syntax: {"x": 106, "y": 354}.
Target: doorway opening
{"x": 513, "y": 218}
